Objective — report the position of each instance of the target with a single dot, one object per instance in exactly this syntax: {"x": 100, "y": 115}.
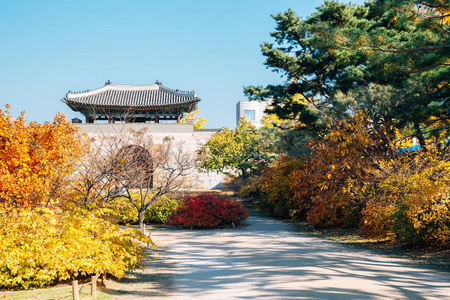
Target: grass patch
{"x": 60, "y": 294}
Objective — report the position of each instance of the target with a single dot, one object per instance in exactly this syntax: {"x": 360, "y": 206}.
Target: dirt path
{"x": 268, "y": 260}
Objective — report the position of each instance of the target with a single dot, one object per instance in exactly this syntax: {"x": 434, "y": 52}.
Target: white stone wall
{"x": 183, "y": 132}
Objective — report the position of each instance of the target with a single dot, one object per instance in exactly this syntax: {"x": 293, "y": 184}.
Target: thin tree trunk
{"x": 244, "y": 174}
{"x": 141, "y": 215}
{"x": 419, "y": 135}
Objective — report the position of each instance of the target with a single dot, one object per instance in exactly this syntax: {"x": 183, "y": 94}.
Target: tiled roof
{"x": 136, "y": 96}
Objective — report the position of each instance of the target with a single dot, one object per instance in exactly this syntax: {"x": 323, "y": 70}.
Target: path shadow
{"x": 269, "y": 260}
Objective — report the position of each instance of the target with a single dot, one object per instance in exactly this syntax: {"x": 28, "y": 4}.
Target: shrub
{"x": 126, "y": 213}
{"x": 376, "y": 221}
{"x": 208, "y": 210}
{"x": 41, "y": 246}
{"x": 410, "y": 201}
{"x": 338, "y": 211}
{"x": 323, "y": 185}
{"x": 250, "y": 188}
{"x": 276, "y": 193}
{"x": 160, "y": 212}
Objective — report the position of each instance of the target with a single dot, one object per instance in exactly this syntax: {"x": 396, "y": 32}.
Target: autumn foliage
{"x": 41, "y": 246}
{"x": 320, "y": 185}
{"x": 353, "y": 177}
{"x": 342, "y": 159}
{"x": 36, "y": 159}
{"x": 410, "y": 201}
{"x": 45, "y": 237}
{"x": 158, "y": 213}
{"x": 277, "y": 195}
{"x": 208, "y": 210}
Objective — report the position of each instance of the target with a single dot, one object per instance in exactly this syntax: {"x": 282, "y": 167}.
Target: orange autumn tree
{"x": 325, "y": 185}
{"x": 36, "y": 159}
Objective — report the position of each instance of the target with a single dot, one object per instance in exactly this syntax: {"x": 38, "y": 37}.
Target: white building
{"x": 252, "y": 111}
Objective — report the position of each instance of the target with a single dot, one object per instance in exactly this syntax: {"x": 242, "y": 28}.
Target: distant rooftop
{"x": 146, "y": 102}
{"x": 130, "y": 96}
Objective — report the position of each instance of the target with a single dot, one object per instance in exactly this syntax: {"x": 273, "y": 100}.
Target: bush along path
{"x": 208, "y": 210}
{"x": 268, "y": 259}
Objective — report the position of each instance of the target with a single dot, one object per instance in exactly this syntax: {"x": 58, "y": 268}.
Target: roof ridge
{"x": 177, "y": 90}
{"x": 114, "y": 95}
{"x": 130, "y": 87}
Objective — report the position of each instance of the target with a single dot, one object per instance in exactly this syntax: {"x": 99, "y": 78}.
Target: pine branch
{"x": 431, "y": 20}
{"x": 381, "y": 49}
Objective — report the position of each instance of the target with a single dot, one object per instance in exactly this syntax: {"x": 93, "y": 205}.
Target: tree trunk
{"x": 244, "y": 174}
{"x": 419, "y": 135}
{"x": 141, "y": 215}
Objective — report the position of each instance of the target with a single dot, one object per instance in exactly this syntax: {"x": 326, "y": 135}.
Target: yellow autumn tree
{"x": 409, "y": 200}
{"x": 199, "y": 122}
{"x": 42, "y": 246}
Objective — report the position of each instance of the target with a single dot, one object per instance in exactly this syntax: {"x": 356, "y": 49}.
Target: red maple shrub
{"x": 208, "y": 210}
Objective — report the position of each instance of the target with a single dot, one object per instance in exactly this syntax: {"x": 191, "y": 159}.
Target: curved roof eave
{"x": 138, "y": 97}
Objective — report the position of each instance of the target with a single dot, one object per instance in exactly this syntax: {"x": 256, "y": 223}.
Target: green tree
{"x": 389, "y": 58}
{"x": 312, "y": 72}
{"x": 408, "y": 35}
{"x": 234, "y": 150}
{"x": 407, "y": 46}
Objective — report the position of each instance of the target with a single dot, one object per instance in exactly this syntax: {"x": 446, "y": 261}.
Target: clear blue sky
{"x": 50, "y": 47}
